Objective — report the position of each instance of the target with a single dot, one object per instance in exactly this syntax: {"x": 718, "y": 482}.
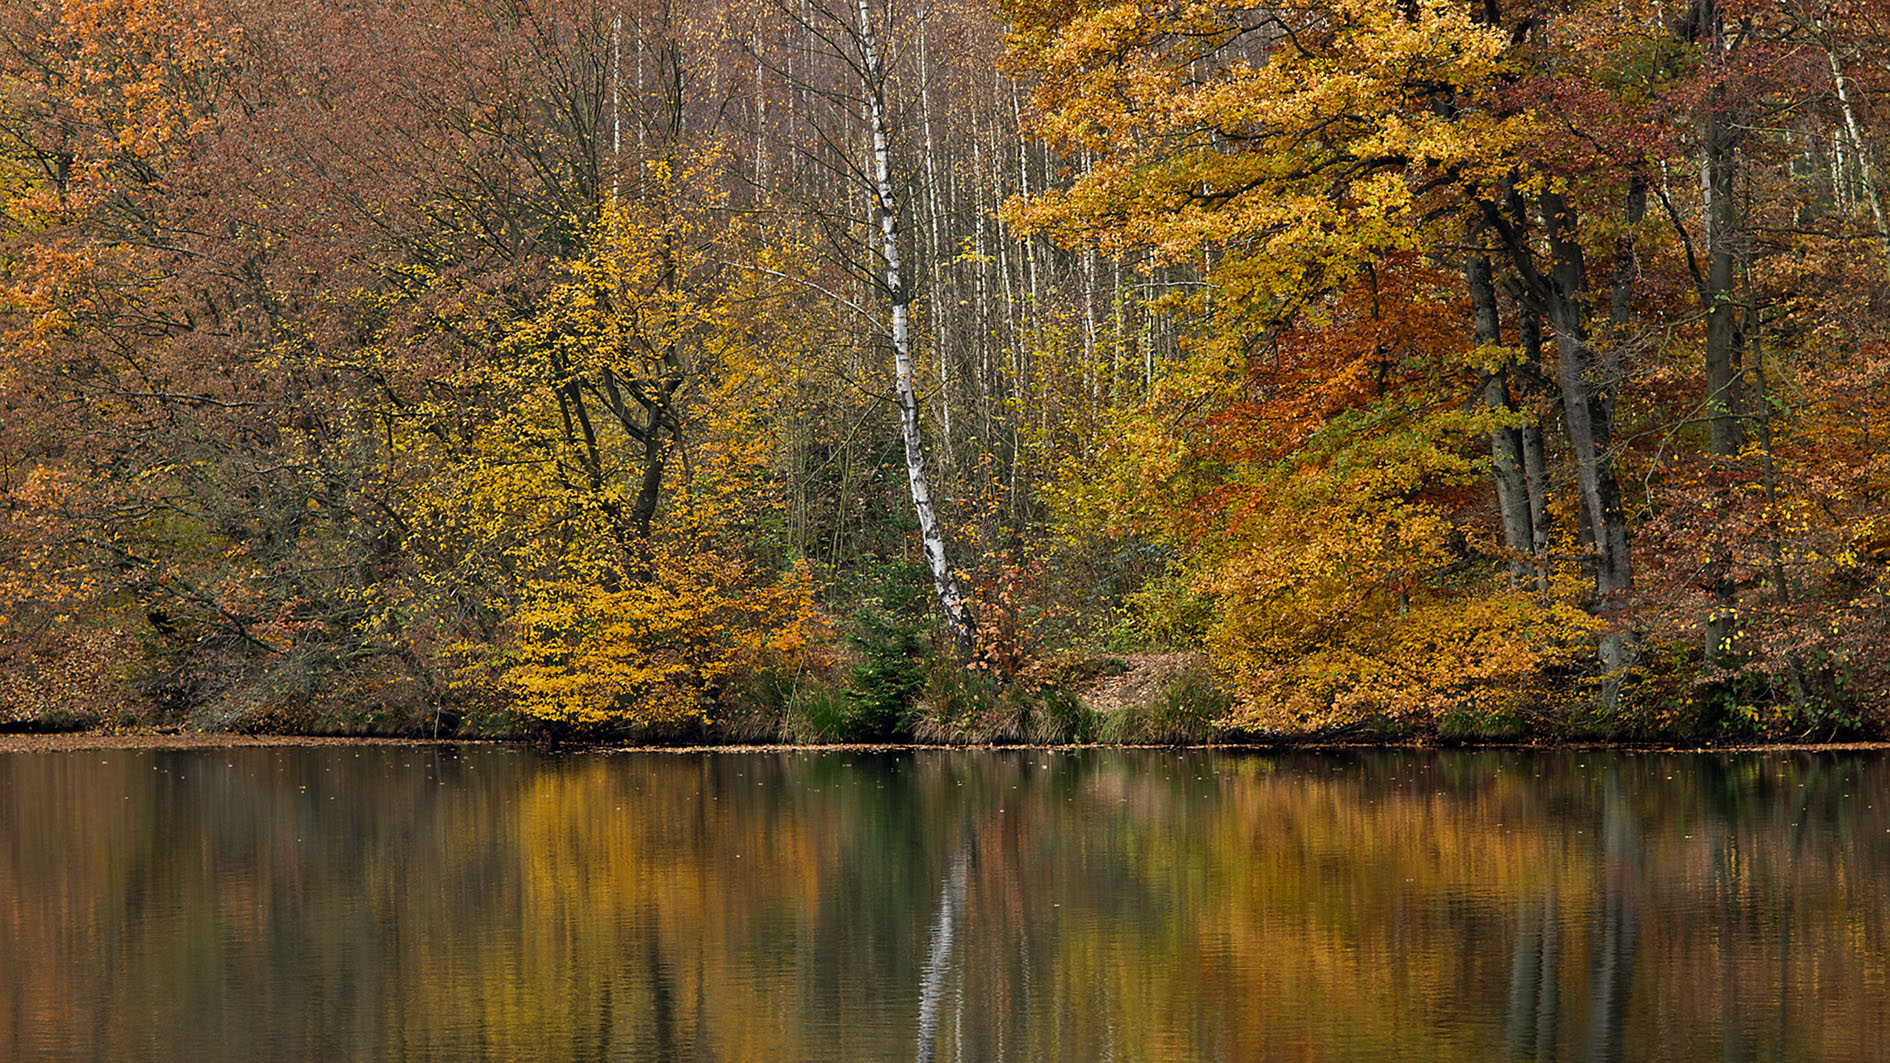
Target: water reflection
{"x": 402, "y": 903}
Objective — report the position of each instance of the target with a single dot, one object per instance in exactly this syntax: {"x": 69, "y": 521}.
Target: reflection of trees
{"x": 1137, "y": 905}
{"x": 1732, "y": 903}
{"x": 1617, "y": 927}
{"x": 1534, "y": 1003}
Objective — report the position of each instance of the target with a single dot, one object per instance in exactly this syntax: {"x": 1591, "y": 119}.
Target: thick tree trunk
{"x": 649, "y": 484}
{"x": 1587, "y": 409}
{"x": 1506, "y": 443}
{"x": 944, "y": 579}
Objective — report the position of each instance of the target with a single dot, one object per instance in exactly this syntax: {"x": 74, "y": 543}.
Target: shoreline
{"x": 79, "y": 741}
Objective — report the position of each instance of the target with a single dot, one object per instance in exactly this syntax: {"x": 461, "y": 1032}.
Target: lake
{"x": 402, "y": 902}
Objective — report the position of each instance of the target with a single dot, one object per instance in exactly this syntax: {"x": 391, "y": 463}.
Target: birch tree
{"x": 854, "y": 39}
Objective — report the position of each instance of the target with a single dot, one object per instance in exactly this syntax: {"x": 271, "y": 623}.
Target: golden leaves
{"x": 1301, "y": 151}
{"x": 641, "y": 378}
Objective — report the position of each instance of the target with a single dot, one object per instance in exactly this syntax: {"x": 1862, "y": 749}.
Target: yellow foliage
{"x": 610, "y": 601}
{"x": 1306, "y": 161}
{"x": 656, "y": 650}
{"x": 1342, "y": 591}
{"x": 1301, "y": 464}
{"x": 1328, "y": 508}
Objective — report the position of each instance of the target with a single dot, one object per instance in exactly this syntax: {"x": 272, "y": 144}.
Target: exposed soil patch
{"x": 1137, "y": 684}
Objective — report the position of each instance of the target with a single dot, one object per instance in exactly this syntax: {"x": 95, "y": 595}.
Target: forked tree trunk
{"x": 1587, "y": 383}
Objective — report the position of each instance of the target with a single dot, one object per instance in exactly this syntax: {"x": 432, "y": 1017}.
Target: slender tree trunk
{"x": 1725, "y": 429}
{"x": 935, "y": 258}
{"x": 1724, "y": 346}
{"x": 981, "y": 302}
{"x": 1866, "y": 162}
{"x": 1014, "y": 412}
{"x": 1092, "y": 374}
{"x": 1620, "y": 296}
{"x": 1148, "y": 325}
{"x": 1120, "y": 314}
{"x": 1535, "y": 460}
{"x": 944, "y": 579}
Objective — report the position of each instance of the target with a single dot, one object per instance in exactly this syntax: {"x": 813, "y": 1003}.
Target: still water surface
{"x": 337, "y": 903}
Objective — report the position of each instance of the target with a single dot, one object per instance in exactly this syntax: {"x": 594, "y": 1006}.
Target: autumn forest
{"x": 916, "y": 369}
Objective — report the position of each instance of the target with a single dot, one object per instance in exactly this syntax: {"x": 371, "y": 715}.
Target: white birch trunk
{"x": 982, "y": 315}
{"x": 1148, "y": 326}
{"x": 1122, "y": 329}
{"x": 1866, "y": 164}
{"x": 1092, "y": 281}
{"x": 944, "y": 579}
{"x": 616, "y": 105}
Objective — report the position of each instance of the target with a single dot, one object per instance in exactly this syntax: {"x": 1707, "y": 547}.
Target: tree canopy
{"x": 591, "y": 368}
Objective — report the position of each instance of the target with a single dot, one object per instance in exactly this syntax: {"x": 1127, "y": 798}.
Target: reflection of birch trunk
{"x": 951, "y": 899}
{"x": 1549, "y": 996}
{"x": 1525, "y": 974}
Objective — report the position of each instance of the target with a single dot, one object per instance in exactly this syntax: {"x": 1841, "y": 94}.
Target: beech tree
{"x": 1538, "y": 153}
